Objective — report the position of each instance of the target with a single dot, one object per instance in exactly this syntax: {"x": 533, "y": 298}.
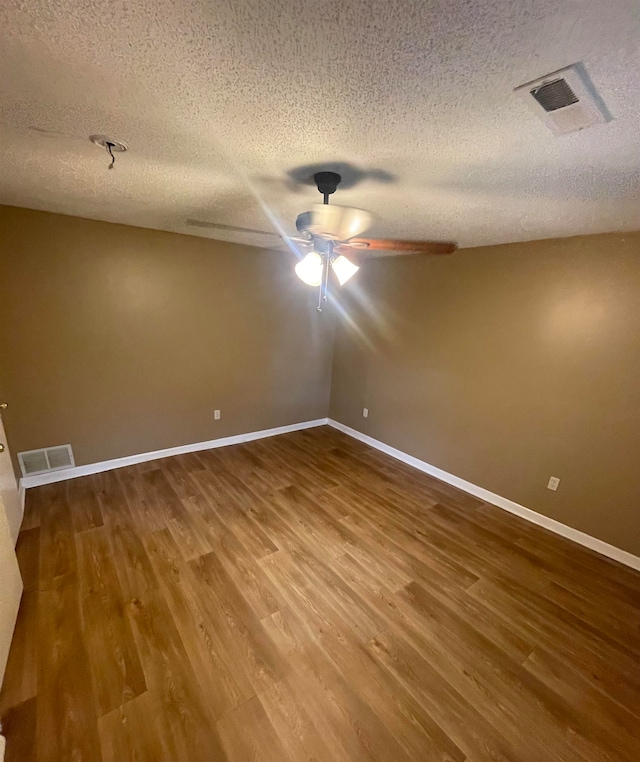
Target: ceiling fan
{"x": 329, "y": 238}
{"x": 333, "y": 233}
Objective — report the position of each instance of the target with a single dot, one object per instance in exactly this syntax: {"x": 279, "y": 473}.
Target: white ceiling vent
{"x": 566, "y": 100}
{"x": 42, "y": 461}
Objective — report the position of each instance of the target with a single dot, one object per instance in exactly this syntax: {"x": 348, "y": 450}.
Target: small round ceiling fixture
{"x": 104, "y": 141}
{"x": 110, "y": 145}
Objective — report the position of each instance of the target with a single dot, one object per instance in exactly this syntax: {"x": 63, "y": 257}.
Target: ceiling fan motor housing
{"x": 303, "y": 222}
{"x": 327, "y": 182}
{"x": 323, "y": 246}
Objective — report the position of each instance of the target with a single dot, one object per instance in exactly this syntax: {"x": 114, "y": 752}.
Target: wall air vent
{"x": 566, "y": 100}
{"x": 49, "y": 459}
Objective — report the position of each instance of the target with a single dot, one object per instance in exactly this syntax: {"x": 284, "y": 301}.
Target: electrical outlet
{"x": 365, "y": 412}
{"x": 216, "y": 415}
{"x": 553, "y": 483}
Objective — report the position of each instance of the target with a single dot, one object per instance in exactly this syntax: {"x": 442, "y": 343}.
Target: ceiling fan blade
{"x": 271, "y": 239}
{"x": 388, "y": 247}
{"x": 293, "y": 243}
{"x": 227, "y": 228}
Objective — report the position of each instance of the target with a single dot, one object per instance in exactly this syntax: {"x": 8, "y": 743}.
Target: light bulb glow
{"x": 344, "y": 269}
{"x": 309, "y": 269}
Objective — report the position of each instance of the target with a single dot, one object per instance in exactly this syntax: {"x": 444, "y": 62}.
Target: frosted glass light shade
{"x": 309, "y": 269}
{"x": 344, "y": 269}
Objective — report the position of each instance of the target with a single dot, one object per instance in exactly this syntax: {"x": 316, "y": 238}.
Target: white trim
{"x": 570, "y": 533}
{"x": 22, "y": 494}
{"x": 106, "y": 465}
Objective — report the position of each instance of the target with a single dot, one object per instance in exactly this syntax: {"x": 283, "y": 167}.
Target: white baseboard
{"x": 604, "y": 548}
{"x": 107, "y": 465}
{"x": 624, "y": 557}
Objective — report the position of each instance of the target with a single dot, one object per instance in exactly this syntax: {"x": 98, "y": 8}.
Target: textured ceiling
{"x": 222, "y": 101}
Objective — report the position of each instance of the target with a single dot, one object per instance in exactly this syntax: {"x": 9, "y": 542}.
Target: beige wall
{"x": 121, "y": 340}
{"x": 505, "y": 365}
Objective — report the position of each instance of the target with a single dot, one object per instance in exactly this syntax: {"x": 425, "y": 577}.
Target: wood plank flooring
{"x": 306, "y": 598}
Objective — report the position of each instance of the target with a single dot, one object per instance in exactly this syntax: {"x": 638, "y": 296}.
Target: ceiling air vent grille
{"x": 565, "y": 100}
{"x": 554, "y": 95}
{"x": 49, "y": 459}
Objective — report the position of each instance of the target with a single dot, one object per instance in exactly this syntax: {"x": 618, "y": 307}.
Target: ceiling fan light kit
{"x": 343, "y": 268}
{"x": 309, "y": 269}
{"x": 332, "y": 232}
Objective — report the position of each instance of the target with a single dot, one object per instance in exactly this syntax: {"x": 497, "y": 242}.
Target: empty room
{"x": 319, "y": 381}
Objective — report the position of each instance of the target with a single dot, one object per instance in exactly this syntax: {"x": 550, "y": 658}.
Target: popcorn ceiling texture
{"x": 219, "y": 101}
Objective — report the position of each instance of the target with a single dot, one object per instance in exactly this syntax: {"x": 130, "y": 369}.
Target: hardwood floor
{"x": 307, "y": 598}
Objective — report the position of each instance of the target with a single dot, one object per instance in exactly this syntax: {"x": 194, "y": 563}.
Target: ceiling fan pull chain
{"x": 322, "y": 287}
{"x": 325, "y": 283}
